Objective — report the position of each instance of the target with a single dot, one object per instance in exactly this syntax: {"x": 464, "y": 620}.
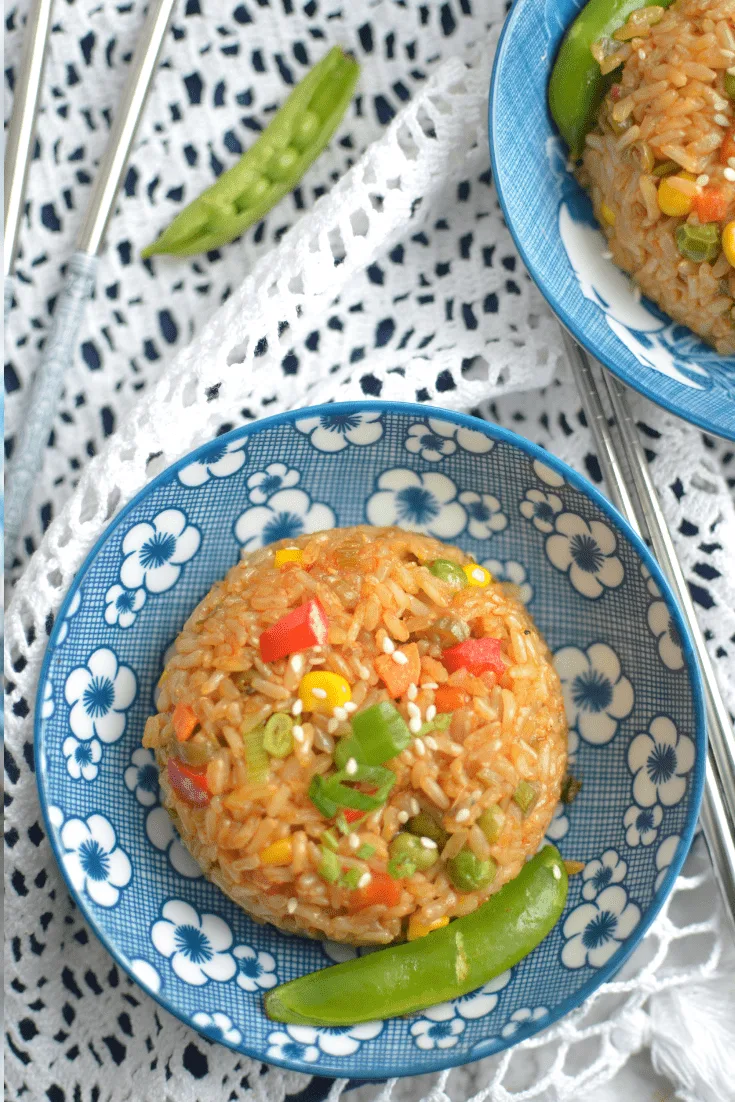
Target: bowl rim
{"x": 569, "y": 322}
{"x": 534, "y": 452}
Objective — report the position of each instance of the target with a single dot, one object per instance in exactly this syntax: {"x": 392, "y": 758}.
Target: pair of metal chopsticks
{"x": 631, "y": 489}
{"x": 45, "y": 391}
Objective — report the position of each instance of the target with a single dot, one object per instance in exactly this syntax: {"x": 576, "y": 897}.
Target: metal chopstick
{"x": 624, "y": 466}
{"x": 21, "y": 131}
{"x": 59, "y": 351}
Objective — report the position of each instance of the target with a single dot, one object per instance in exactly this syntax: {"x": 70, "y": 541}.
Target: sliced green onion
{"x": 320, "y": 799}
{"x": 278, "y": 736}
{"x": 365, "y": 851}
{"x": 491, "y": 822}
{"x": 330, "y": 840}
{"x": 424, "y": 825}
{"x": 450, "y": 572}
{"x": 351, "y": 879}
{"x": 440, "y": 722}
{"x": 730, "y": 85}
{"x": 378, "y": 734}
{"x": 400, "y": 868}
{"x": 256, "y": 758}
{"x": 329, "y": 866}
{"x": 525, "y": 796}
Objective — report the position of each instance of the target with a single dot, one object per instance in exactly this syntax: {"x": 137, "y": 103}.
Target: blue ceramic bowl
{"x": 620, "y": 646}
{"x": 551, "y": 220}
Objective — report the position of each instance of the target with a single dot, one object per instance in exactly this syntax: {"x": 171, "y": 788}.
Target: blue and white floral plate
{"x": 625, "y": 662}
{"x": 551, "y": 220}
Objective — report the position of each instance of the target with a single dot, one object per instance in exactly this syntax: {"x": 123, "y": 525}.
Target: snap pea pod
{"x": 577, "y": 87}
{"x": 272, "y": 166}
{"x": 440, "y": 966}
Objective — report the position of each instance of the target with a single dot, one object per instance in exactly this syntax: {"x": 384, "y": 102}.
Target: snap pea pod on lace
{"x": 272, "y": 166}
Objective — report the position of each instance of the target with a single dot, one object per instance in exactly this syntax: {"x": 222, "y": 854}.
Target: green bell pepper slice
{"x": 577, "y": 87}
{"x": 441, "y": 966}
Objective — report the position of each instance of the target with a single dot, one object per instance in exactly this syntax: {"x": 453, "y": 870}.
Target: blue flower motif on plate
{"x": 641, "y": 825}
{"x": 597, "y": 697}
{"x": 93, "y": 861}
{"x": 47, "y": 706}
{"x": 435, "y": 439}
{"x": 155, "y": 551}
{"x": 541, "y": 508}
{"x": 220, "y": 460}
{"x": 417, "y": 502}
{"x": 522, "y": 1018}
{"x": 198, "y": 946}
{"x": 146, "y": 974}
{"x": 217, "y": 1026}
{"x": 664, "y": 856}
{"x": 586, "y": 553}
{"x": 334, "y": 431}
{"x": 337, "y": 1041}
{"x": 513, "y": 572}
{"x": 161, "y": 833}
{"x": 660, "y": 761}
{"x": 595, "y": 930}
{"x": 256, "y": 970}
{"x": 287, "y": 515}
{"x": 276, "y": 476}
{"x": 99, "y": 695}
{"x": 82, "y": 758}
{"x": 601, "y": 873}
{"x": 141, "y": 777}
{"x": 123, "y": 605}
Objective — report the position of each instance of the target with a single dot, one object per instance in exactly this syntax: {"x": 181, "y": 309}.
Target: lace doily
{"x": 402, "y": 282}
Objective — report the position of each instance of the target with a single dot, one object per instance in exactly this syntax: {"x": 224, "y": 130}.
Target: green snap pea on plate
{"x": 443, "y": 965}
{"x": 272, "y": 166}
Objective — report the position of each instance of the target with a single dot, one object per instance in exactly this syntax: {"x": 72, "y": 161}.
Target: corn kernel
{"x": 288, "y": 554}
{"x": 416, "y": 929}
{"x": 277, "y": 853}
{"x": 322, "y": 691}
{"x": 674, "y": 198}
{"x": 477, "y": 576}
{"x": 608, "y": 214}
{"x": 728, "y": 243}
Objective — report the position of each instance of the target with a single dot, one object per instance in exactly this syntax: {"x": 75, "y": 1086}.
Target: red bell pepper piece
{"x": 476, "y": 655}
{"x": 304, "y": 627}
{"x": 188, "y": 783}
{"x": 352, "y": 815}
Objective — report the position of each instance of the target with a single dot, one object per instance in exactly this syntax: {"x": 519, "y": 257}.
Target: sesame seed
{"x": 399, "y": 658}
{"x": 402, "y": 817}
{"x": 298, "y": 733}
{"x": 429, "y": 685}
{"x": 415, "y": 806}
{"x": 364, "y": 880}
{"x": 297, "y": 663}
{"x": 731, "y": 71}
{"x": 414, "y": 725}
{"x": 318, "y": 661}
{"x": 729, "y": 174}
{"x": 454, "y": 748}
{"x": 413, "y": 709}
{"x": 642, "y": 55}
{"x": 418, "y": 746}
{"x": 320, "y": 694}
{"x": 556, "y": 872}
{"x": 332, "y": 725}
{"x": 412, "y": 692}
{"x": 297, "y": 707}
{"x": 431, "y": 712}
{"x": 462, "y": 815}
{"x": 350, "y": 706}
{"x": 353, "y": 841}
{"x": 351, "y": 767}
{"x": 339, "y": 713}
{"x": 363, "y": 671}
{"x": 703, "y": 180}
{"x": 722, "y": 120}
{"x": 429, "y": 843}
{"x": 431, "y": 743}
{"x": 291, "y": 906}
{"x": 731, "y": 162}
{"x": 388, "y": 646}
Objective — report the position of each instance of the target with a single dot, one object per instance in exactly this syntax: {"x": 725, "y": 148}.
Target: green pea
{"x": 424, "y": 825}
{"x": 699, "y": 243}
{"x": 408, "y": 847}
{"x": 730, "y": 85}
{"x": 283, "y": 164}
{"x": 305, "y": 131}
{"x": 491, "y": 822}
{"x": 468, "y": 873}
{"x": 450, "y": 572}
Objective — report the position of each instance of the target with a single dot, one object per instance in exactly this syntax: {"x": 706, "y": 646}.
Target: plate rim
{"x": 620, "y": 371}
{"x": 535, "y": 452}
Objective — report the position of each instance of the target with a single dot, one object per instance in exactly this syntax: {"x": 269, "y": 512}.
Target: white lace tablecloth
{"x": 400, "y": 282}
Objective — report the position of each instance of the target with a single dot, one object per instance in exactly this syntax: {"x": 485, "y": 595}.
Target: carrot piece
{"x": 396, "y": 677}
{"x": 185, "y": 722}
{"x": 449, "y": 699}
{"x": 711, "y": 205}
{"x": 727, "y": 149}
{"x": 381, "y": 889}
